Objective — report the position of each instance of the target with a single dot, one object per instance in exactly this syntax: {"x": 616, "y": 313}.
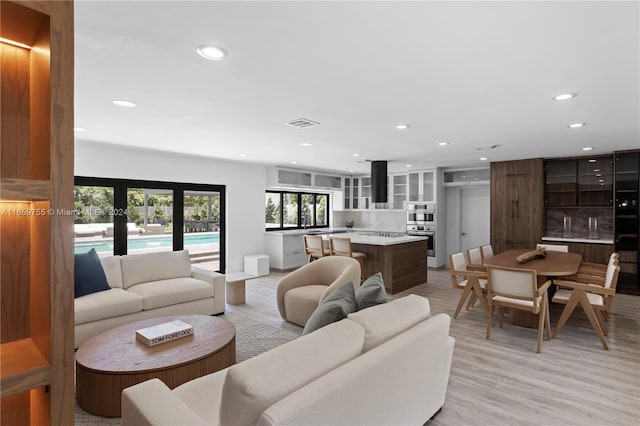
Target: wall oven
{"x": 421, "y": 213}
{"x": 424, "y": 231}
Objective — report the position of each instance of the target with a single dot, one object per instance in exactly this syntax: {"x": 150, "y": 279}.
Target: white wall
{"x": 245, "y": 186}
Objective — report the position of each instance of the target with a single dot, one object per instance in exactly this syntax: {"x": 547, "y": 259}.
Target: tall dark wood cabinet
{"x": 36, "y": 232}
{"x": 627, "y": 223}
{"x": 517, "y": 200}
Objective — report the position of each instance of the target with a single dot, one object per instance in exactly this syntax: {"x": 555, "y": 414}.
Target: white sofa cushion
{"x": 401, "y": 382}
{"x": 255, "y": 384}
{"x": 156, "y": 294}
{"x": 112, "y": 270}
{"x": 382, "y": 322}
{"x": 106, "y": 304}
{"x": 204, "y": 395}
{"x": 142, "y": 268}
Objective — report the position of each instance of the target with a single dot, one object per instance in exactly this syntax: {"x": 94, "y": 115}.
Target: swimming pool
{"x": 141, "y": 243}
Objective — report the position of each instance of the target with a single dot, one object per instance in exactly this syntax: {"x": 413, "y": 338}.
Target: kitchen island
{"x": 401, "y": 258}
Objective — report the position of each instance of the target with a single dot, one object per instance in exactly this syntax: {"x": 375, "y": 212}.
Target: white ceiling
{"x": 474, "y": 74}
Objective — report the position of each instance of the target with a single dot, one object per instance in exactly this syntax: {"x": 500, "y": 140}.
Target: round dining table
{"x": 554, "y": 264}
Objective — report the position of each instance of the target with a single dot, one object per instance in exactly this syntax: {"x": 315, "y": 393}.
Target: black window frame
{"x": 120, "y": 188}
{"x": 300, "y": 224}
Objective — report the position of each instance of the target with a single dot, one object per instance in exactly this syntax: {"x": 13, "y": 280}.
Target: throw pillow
{"x": 340, "y": 303}
{"x": 88, "y": 275}
{"x": 371, "y": 292}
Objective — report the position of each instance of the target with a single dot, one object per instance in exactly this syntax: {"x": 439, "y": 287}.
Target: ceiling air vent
{"x": 301, "y": 123}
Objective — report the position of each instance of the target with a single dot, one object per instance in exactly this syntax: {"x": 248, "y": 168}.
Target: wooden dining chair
{"x": 472, "y": 283}
{"x": 589, "y": 269}
{"x": 553, "y": 247}
{"x": 341, "y": 246}
{"x": 474, "y": 256}
{"x": 594, "y": 295}
{"x": 487, "y": 251}
{"x": 314, "y": 247}
{"x": 518, "y": 289}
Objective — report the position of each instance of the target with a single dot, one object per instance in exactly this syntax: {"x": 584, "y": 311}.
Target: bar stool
{"x": 341, "y": 246}
{"x": 314, "y": 247}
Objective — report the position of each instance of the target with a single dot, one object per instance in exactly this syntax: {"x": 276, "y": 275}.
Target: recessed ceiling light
{"x": 127, "y": 104}
{"x": 463, "y": 176}
{"x": 483, "y": 158}
{"x": 356, "y": 155}
{"x": 305, "y": 144}
{"x": 210, "y": 52}
{"x": 576, "y": 125}
{"x": 402, "y": 126}
{"x": 351, "y": 171}
{"x": 294, "y": 162}
{"x": 595, "y": 170}
{"x": 592, "y": 161}
{"x": 564, "y": 96}
{"x": 587, "y": 148}
{"x": 600, "y": 180}
{"x": 443, "y": 143}
{"x": 408, "y": 165}
{"x": 243, "y": 155}
{"x": 79, "y": 129}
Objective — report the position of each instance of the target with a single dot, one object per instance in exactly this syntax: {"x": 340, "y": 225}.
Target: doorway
{"x": 468, "y": 217}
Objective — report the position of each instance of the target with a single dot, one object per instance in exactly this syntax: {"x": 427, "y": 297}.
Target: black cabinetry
{"x": 627, "y": 214}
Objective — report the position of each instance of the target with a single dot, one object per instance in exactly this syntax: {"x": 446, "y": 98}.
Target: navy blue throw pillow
{"x": 88, "y": 274}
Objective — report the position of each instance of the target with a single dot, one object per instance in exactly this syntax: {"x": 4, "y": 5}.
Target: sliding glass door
{"x": 118, "y": 216}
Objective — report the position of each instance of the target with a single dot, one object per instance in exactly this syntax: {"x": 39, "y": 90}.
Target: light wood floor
{"x": 503, "y": 381}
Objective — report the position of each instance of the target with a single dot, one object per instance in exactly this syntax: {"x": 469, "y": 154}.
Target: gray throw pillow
{"x": 338, "y": 304}
{"x": 371, "y": 292}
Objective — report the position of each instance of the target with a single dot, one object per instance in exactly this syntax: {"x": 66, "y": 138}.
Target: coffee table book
{"x": 164, "y": 332}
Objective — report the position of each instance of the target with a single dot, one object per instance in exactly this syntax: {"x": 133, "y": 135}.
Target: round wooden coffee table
{"x": 114, "y": 360}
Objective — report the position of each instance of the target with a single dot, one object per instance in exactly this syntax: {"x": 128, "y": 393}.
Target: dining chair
{"x": 314, "y": 247}
{"x": 518, "y": 289}
{"x": 487, "y": 251}
{"x": 474, "y": 256}
{"x": 553, "y": 247}
{"x": 596, "y": 269}
{"x": 472, "y": 282}
{"x": 341, "y": 246}
{"x": 594, "y": 295}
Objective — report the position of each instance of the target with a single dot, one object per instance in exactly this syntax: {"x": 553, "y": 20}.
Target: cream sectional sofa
{"x": 146, "y": 286}
{"x": 385, "y": 365}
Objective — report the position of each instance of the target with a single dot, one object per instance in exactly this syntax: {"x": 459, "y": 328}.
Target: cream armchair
{"x": 299, "y": 293}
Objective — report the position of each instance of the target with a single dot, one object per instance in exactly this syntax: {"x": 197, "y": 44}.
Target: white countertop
{"x": 357, "y": 236}
{"x": 577, "y": 240}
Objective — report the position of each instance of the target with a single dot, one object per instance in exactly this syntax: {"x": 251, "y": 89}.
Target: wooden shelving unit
{"x": 36, "y": 182}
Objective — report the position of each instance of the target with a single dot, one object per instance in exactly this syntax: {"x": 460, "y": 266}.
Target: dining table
{"x": 553, "y": 264}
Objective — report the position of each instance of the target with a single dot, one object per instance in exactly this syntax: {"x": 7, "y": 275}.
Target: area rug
{"x": 252, "y": 338}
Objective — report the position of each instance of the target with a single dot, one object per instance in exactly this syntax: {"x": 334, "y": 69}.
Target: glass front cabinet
{"x": 421, "y": 186}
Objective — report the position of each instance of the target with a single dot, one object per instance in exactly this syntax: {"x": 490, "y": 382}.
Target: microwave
{"x": 420, "y": 216}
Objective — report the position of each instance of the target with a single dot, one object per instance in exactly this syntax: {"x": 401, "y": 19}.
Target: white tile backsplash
{"x": 376, "y": 220}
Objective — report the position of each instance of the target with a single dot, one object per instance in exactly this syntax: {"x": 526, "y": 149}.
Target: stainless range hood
{"x": 378, "y": 181}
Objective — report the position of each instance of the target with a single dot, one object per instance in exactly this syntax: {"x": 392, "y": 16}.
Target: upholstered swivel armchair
{"x": 299, "y": 293}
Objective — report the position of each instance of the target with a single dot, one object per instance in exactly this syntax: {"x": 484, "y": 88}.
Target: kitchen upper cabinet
{"x": 398, "y": 194}
{"x": 516, "y": 204}
{"x": 421, "y": 186}
{"x": 582, "y": 182}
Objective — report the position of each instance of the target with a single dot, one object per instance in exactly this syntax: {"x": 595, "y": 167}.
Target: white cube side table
{"x": 256, "y": 265}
